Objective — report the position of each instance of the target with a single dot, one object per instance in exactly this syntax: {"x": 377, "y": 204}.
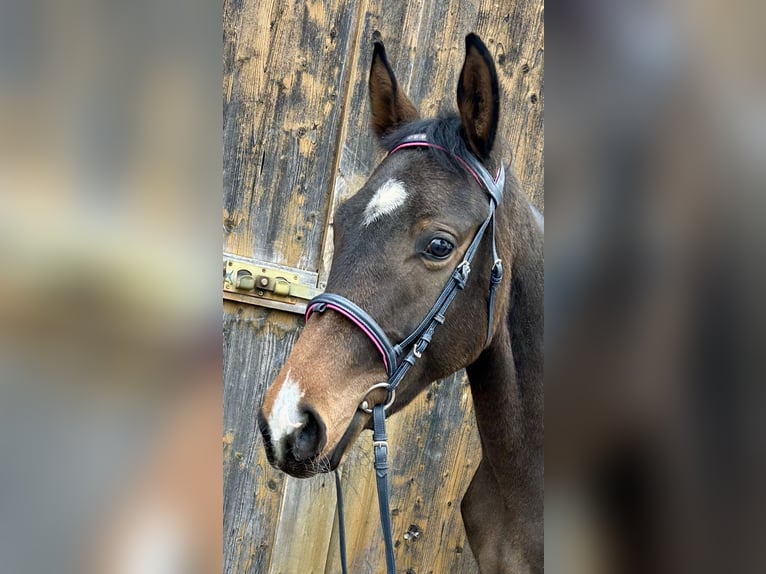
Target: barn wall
{"x": 296, "y": 144}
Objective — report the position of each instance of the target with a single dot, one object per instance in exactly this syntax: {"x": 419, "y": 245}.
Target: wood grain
{"x": 284, "y": 69}
{"x": 297, "y": 144}
{"x": 256, "y": 342}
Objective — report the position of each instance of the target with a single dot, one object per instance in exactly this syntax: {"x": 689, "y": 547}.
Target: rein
{"x": 399, "y": 358}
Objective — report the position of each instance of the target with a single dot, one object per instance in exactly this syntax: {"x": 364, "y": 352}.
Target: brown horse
{"x": 397, "y": 242}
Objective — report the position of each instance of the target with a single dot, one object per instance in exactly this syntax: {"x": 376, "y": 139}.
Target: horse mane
{"x": 443, "y": 131}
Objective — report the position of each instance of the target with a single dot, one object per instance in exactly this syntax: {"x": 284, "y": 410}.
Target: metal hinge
{"x": 268, "y": 285}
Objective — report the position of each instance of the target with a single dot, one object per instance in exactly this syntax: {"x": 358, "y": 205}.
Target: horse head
{"x": 397, "y": 244}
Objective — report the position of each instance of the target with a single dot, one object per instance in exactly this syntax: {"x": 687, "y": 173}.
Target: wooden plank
{"x": 256, "y": 343}
{"x": 285, "y": 66}
{"x": 519, "y": 49}
{"x": 437, "y": 465}
{"x": 305, "y": 526}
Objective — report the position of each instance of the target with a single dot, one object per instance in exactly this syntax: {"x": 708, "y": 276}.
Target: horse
{"x": 398, "y": 244}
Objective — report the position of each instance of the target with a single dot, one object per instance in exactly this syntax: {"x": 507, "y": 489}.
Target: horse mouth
{"x": 356, "y": 426}
{"x": 321, "y": 463}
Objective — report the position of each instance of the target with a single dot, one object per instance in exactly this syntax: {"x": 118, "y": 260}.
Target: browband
{"x": 492, "y": 185}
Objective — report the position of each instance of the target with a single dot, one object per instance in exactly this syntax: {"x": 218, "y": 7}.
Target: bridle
{"x": 399, "y": 358}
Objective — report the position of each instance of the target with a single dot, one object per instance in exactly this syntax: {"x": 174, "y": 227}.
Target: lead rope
{"x": 341, "y": 524}
{"x": 380, "y": 448}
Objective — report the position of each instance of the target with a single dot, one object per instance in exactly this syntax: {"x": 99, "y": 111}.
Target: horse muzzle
{"x": 295, "y": 447}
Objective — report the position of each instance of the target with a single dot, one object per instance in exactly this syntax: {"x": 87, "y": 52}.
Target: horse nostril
{"x": 309, "y": 439}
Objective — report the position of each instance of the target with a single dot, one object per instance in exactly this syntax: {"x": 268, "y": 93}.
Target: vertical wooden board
{"x": 516, "y": 37}
{"x": 284, "y": 73}
{"x": 399, "y": 26}
{"x": 439, "y": 455}
{"x": 305, "y": 526}
{"x": 256, "y": 344}
{"x": 513, "y": 33}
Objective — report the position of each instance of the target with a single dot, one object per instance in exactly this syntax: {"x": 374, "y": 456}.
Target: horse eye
{"x": 439, "y": 248}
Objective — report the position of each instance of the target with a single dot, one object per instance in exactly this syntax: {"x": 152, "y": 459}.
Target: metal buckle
{"x": 365, "y": 406}
{"x": 462, "y": 272}
{"x": 497, "y": 271}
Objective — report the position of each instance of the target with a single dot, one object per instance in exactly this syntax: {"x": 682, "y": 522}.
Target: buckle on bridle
{"x": 365, "y": 405}
{"x": 380, "y": 452}
{"x": 461, "y": 273}
{"x": 497, "y": 272}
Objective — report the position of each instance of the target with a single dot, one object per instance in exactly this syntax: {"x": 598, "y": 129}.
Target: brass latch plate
{"x": 268, "y": 285}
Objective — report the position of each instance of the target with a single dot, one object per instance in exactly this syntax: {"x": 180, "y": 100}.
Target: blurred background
{"x": 110, "y": 250}
{"x": 656, "y": 131}
{"x": 110, "y": 305}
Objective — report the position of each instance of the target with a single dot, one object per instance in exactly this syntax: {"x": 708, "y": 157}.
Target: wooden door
{"x": 296, "y": 144}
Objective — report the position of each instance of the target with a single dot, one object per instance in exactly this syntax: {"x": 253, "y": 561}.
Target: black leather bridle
{"x": 399, "y": 358}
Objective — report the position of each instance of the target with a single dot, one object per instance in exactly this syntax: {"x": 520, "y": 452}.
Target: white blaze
{"x": 389, "y": 197}
{"x": 285, "y": 416}
{"x": 538, "y": 217}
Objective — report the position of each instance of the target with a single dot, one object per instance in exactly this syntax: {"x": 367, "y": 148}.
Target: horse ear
{"x": 478, "y": 97}
{"x": 390, "y": 107}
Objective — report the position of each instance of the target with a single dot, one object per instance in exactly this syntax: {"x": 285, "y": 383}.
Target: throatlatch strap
{"x": 380, "y": 448}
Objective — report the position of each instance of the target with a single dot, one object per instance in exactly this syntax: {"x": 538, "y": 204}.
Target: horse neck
{"x": 507, "y": 378}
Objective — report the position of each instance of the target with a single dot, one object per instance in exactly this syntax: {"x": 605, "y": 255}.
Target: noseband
{"x": 399, "y": 358}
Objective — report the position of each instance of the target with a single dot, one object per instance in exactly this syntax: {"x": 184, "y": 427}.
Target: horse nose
{"x": 308, "y": 440}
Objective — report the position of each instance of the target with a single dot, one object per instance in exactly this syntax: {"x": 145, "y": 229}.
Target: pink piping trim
{"x": 364, "y": 329}
{"x": 457, "y": 157}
